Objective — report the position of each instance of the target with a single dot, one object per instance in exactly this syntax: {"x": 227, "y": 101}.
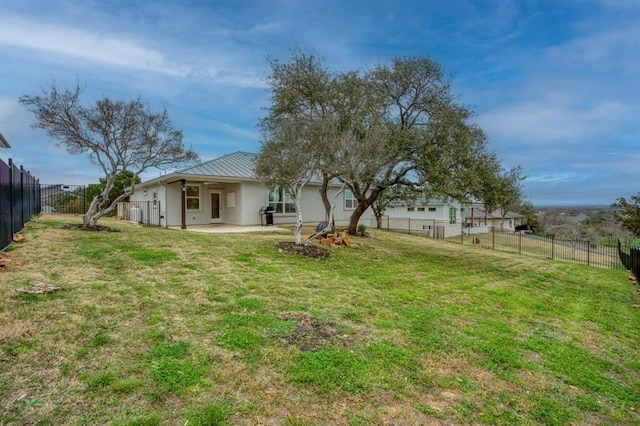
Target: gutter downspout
{"x": 183, "y": 184}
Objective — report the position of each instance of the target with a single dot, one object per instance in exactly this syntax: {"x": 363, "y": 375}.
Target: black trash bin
{"x": 268, "y": 214}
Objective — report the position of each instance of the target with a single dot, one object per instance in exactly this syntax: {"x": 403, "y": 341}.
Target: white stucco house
{"x": 226, "y": 190}
{"x": 432, "y": 217}
{"x": 478, "y": 220}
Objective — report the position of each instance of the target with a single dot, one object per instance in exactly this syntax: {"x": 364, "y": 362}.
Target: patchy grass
{"x": 158, "y": 326}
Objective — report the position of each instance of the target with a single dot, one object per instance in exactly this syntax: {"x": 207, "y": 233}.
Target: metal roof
{"x": 235, "y": 165}
{"x": 3, "y": 142}
{"x": 479, "y": 213}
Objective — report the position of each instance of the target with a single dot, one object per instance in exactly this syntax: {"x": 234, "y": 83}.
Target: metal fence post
{"x": 553, "y": 239}
{"x": 588, "y": 253}
{"x": 520, "y": 242}
{"x": 493, "y": 237}
{"x": 409, "y": 224}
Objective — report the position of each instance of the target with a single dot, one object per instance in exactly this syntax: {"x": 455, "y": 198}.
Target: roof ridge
{"x": 214, "y": 159}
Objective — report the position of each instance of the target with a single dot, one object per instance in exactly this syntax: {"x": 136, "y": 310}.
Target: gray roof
{"x": 3, "y": 142}
{"x": 479, "y": 213}
{"x": 235, "y": 165}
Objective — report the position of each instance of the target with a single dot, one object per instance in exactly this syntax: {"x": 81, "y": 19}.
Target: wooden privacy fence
{"x": 19, "y": 200}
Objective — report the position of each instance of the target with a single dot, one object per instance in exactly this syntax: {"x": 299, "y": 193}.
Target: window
{"x": 411, "y": 209}
{"x": 281, "y": 201}
{"x": 432, "y": 209}
{"x": 452, "y": 215}
{"x": 193, "y": 197}
{"x": 420, "y": 209}
{"x": 350, "y": 201}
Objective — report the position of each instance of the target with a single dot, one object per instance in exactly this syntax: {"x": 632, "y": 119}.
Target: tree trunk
{"x": 355, "y": 218}
{"x": 325, "y": 197}
{"x": 378, "y": 219}
{"x": 296, "y": 201}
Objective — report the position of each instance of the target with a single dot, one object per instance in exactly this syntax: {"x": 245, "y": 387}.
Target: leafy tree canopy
{"x": 627, "y": 213}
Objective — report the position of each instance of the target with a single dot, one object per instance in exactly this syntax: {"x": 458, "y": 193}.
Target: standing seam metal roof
{"x": 238, "y": 164}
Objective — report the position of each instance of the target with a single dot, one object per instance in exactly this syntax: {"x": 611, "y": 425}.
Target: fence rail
{"x": 143, "y": 212}
{"x": 19, "y": 200}
{"x": 64, "y": 199}
{"x": 574, "y": 251}
{"x": 630, "y": 261}
{"x": 431, "y": 228}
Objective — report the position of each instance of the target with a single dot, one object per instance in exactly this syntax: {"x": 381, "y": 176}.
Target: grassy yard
{"x": 162, "y": 327}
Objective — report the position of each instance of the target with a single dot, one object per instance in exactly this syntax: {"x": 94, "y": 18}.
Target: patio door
{"x": 216, "y": 211}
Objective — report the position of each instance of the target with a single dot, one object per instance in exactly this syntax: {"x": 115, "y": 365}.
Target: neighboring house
{"x": 476, "y": 218}
{"x": 437, "y": 218}
{"x": 3, "y": 142}
{"x": 226, "y": 190}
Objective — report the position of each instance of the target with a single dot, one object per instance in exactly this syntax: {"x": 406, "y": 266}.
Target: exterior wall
{"x": 240, "y": 204}
{"x": 148, "y": 193}
{"x": 418, "y": 219}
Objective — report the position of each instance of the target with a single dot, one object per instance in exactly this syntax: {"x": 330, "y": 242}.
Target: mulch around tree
{"x": 304, "y": 250}
{"x": 97, "y": 228}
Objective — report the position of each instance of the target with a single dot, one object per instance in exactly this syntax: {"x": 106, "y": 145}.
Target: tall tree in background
{"x": 117, "y": 136}
{"x": 530, "y": 214}
{"x": 120, "y": 185}
{"x": 627, "y": 213}
{"x": 390, "y": 196}
{"x": 505, "y": 192}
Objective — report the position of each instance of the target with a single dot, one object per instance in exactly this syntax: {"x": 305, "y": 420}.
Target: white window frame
{"x": 453, "y": 215}
{"x": 282, "y": 201}
{"x": 193, "y": 197}
{"x": 350, "y": 200}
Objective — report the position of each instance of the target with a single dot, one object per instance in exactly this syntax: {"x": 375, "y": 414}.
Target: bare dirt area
{"x": 301, "y": 249}
{"x": 312, "y": 334}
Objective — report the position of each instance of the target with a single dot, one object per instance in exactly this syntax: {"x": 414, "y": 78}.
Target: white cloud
{"x": 86, "y": 45}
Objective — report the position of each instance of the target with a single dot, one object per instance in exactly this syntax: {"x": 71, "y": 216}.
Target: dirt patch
{"x": 311, "y": 333}
{"x": 309, "y": 251}
{"x": 97, "y": 228}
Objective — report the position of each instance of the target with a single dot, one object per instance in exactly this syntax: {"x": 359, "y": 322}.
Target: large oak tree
{"x": 396, "y": 125}
{"x": 118, "y": 136}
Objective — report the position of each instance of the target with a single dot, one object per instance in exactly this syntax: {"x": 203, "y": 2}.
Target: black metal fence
{"x": 573, "y": 251}
{"x": 60, "y": 198}
{"x": 147, "y": 213}
{"x": 430, "y": 228}
{"x": 631, "y": 261}
{"x": 19, "y": 200}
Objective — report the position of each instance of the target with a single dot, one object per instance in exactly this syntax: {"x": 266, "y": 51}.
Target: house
{"x": 436, "y": 218}
{"x": 3, "y": 142}
{"x": 226, "y": 190}
{"x": 478, "y": 220}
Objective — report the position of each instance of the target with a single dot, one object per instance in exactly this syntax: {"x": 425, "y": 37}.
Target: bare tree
{"x": 117, "y": 136}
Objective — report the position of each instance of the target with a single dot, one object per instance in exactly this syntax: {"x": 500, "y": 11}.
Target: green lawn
{"x": 162, "y": 327}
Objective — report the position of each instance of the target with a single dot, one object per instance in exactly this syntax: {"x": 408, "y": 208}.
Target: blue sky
{"x": 555, "y": 84}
